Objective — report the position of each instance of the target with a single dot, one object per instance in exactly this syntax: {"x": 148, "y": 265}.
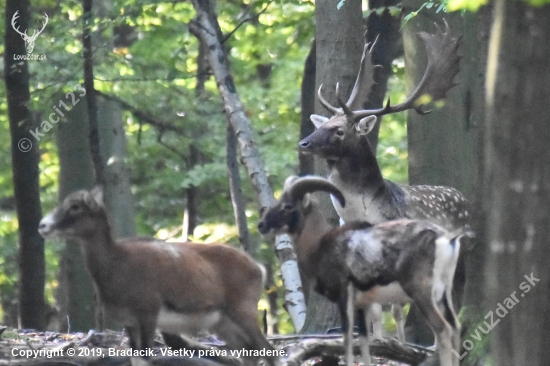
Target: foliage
{"x": 437, "y": 6}
{"x": 155, "y": 73}
{"x": 392, "y": 143}
{"x": 474, "y": 5}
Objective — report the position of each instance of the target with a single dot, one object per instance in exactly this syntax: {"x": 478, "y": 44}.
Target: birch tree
{"x": 207, "y": 28}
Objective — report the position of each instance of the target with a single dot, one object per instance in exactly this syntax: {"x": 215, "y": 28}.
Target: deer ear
{"x": 289, "y": 181}
{"x": 97, "y": 195}
{"x": 365, "y": 125}
{"x": 306, "y": 201}
{"x": 318, "y": 120}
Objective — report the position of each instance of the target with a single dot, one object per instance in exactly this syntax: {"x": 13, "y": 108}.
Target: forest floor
{"x": 29, "y": 347}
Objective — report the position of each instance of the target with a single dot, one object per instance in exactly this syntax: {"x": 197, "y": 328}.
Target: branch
{"x": 164, "y": 126}
{"x": 170, "y": 148}
{"x": 244, "y": 21}
{"x": 387, "y": 348}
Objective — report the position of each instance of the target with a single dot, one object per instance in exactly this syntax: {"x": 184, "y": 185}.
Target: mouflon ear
{"x": 96, "y": 195}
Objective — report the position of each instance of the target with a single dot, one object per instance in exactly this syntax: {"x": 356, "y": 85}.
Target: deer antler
{"x": 443, "y": 65}
{"x": 365, "y": 77}
{"x": 362, "y": 86}
{"x": 15, "y": 16}
{"x": 326, "y": 104}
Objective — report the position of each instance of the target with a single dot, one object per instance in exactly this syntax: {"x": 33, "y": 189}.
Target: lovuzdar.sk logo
{"x": 29, "y": 40}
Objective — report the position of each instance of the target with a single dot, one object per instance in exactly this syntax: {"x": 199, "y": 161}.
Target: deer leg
{"x": 375, "y": 315}
{"x": 349, "y": 315}
{"x": 452, "y": 319}
{"x": 442, "y": 329}
{"x": 141, "y": 338}
{"x": 346, "y": 307}
{"x": 364, "y": 337}
{"x": 134, "y": 337}
{"x": 398, "y": 316}
{"x": 241, "y": 331}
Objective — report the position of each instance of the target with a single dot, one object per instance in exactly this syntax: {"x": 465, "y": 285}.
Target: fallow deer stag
{"x": 352, "y": 166}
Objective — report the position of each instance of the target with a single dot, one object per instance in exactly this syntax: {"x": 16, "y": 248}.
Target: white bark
{"x": 207, "y": 29}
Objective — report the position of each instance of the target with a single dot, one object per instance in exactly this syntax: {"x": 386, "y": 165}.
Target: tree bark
{"x": 87, "y": 54}
{"x": 192, "y": 193}
{"x": 307, "y": 103}
{"x": 339, "y": 43}
{"x": 237, "y": 199}
{"x": 208, "y": 29}
{"x": 516, "y": 183}
{"x": 75, "y": 293}
{"x": 116, "y": 177}
{"x": 25, "y": 158}
{"x": 445, "y": 146}
{"x": 389, "y": 46}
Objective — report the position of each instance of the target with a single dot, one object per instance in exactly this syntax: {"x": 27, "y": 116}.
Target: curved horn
{"x": 312, "y": 184}
{"x": 326, "y": 104}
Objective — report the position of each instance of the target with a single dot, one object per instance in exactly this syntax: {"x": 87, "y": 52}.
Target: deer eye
{"x": 288, "y": 207}
{"x": 75, "y": 207}
{"x": 339, "y": 132}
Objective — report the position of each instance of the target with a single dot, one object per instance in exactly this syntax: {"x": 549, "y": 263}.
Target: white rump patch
{"x": 446, "y": 257}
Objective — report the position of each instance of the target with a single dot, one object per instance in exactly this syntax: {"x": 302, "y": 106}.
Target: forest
{"x": 190, "y": 116}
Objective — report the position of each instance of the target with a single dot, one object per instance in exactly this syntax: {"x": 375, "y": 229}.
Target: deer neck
{"x": 358, "y": 167}
{"x": 99, "y": 250}
{"x": 307, "y": 239}
{"x": 357, "y": 174}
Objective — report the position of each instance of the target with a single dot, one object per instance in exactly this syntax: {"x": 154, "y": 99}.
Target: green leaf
{"x": 471, "y": 5}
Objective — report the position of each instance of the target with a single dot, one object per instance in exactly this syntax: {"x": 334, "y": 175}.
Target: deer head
{"x": 295, "y": 203}
{"x": 338, "y": 132}
{"x": 29, "y": 40}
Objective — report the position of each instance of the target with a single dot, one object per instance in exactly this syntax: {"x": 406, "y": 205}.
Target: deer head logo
{"x": 29, "y": 40}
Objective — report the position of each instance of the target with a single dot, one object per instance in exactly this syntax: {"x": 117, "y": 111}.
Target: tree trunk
{"x": 389, "y": 46}
{"x": 307, "y": 103}
{"x": 191, "y": 212}
{"x": 91, "y": 98}
{"x": 516, "y": 188}
{"x": 237, "y": 199}
{"x": 75, "y": 293}
{"x": 339, "y": 43}
{"x": 25, "y": 158}
{"x": 112, "y": 147}
{"x": 445, "y": 146}
{"x": 207, "y": 28}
